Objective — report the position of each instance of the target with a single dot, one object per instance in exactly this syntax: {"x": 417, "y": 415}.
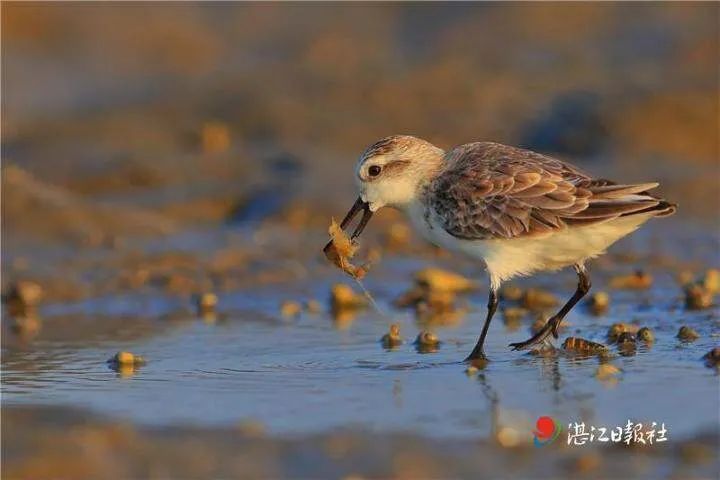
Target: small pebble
{"x": 627, "y": 346}
{"x": 427, "y": 338}
{"x": 437, "y": 301}
{"x": 617, "y": 329}
{"x": 442, "y": 280}
{"x": 289, "y": 309}
{"x": 392, "y": 338}
{"x": 426, "y": 342}
{"x": 712, "y": 358}
{"x": 697, "y": 297}
{"x": 126, "y": 358}
{"x": 626, "y": 337}
{"x": 687, "y": 334}
{"x": 599, "y": 303}
{"x": 207, "y": 302}
{"x": 646, "y": 335}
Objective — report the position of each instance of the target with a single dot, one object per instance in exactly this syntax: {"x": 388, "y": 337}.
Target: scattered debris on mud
{"x": 580, "y": 345}
{"x": 392, "y": 339}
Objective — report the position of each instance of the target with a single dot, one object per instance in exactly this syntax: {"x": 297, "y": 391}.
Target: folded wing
{"x": 488, "y": 190}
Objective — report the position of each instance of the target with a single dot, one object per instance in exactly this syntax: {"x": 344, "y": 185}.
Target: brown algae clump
{"x": 341, "y": 250}
{"x": 687, "y": 334}
{"x": 392, "y": 339}
{"x": 580, "y": 345}
{"x": 646, "y": 335}
{"x": 635, "y": 281}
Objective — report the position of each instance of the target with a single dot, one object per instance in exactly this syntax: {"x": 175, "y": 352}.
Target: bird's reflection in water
{"x": 343, "y": 318}
{"x": 397, "y": 393}
{"x": 494, "y": 400}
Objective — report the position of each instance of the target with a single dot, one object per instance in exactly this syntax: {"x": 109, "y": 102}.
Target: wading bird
{"x": 518, "y": 211}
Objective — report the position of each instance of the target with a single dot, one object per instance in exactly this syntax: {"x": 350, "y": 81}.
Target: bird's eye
{"x": 374, "y": 171}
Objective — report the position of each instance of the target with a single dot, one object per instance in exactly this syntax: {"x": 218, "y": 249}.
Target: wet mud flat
{"x": 242, "y": 327}
{"x": 254, "y": 387}
{"x": 67, "y": 443}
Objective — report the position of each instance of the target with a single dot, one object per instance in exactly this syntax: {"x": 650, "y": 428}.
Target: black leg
{"x": 478, "y": 352}
{"x": 551, "y": 326}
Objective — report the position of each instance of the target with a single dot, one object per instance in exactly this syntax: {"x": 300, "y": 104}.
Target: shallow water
{"x": 312, "y": 373}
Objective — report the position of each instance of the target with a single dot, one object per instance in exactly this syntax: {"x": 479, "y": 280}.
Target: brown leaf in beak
{"x": 341, "y": 249}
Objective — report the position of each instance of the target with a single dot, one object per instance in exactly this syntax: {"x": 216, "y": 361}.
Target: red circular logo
{"x": 545, "y": 428}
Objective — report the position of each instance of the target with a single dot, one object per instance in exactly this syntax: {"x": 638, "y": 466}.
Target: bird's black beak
{"x": 358, "y": 206}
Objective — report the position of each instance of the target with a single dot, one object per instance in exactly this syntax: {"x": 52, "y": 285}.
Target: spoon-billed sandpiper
{"x": 518, "y": 211}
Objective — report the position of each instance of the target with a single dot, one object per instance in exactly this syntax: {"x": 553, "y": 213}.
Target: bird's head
{"x": 390, "y": 173}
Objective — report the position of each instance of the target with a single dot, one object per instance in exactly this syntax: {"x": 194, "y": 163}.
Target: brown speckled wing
{"x": 488, "y": 190}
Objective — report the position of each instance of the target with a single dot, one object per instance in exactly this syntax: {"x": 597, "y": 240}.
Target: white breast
{"x": 506, "y": 258}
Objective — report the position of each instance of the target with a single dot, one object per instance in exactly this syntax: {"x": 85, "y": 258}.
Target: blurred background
{"x": 188, "y": 111}
{"x": 151, "y": 153}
